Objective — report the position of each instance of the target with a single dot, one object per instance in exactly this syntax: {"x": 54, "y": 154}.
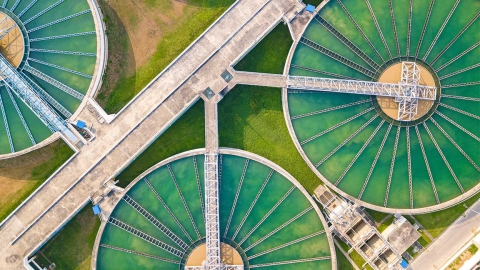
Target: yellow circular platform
{"x": 393, "y": 74}
{"x": 12, "y": 45}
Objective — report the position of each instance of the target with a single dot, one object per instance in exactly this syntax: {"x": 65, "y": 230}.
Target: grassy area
{"x": 251, "y": 118}
{"x": 144, "y": 37}
{"x": 435, "y": 223}
{"x": 358, "y": 260}
{"x": 72, "y": 247}
{"x": 263, "y": 58}
{"x": 186, "y": 133}
{"x": 313, "y": 2}
{"x": 22, "y": 175}
{"x": 342, "y": 262}
{"x": 377, "y": 216}
{"x": 385, "y": 224}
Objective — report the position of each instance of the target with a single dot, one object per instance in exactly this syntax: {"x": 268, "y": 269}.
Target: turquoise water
{"x": 79, "y": 63}
{"x": 337, "y": 155}
{"x": 257, "y": 212}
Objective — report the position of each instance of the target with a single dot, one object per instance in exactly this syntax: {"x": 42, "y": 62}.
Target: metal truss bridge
{"x": 406, "y": 93}
{"x": 16, "y": 83}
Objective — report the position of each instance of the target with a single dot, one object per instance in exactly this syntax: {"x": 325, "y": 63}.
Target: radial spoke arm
{"x": 7, "y": 127}
{"x": 375, "y": 161}
{"x": 167, "y": 208}
{"x": 392, "y": 165}
{"x": 455, "y": 144}
{"x": 432, "y": 182}
{"x": 43, "y": 11}
{"x": 267, "y": 215}
{"x": 359, "y": 153}
{"x": 138, "y": 253}
{"x": 185, "y": 205}
{"x": 253, "y": 204}
{"x": 346, "y": 141}
{"x": 331, "y": 109}
{"x": 290, "y": 262}
{"x": 237, "y": 194}
{"x": 199, "y": 186}
{"x": 443, "y": 157}
{"x": 20, "y": 114}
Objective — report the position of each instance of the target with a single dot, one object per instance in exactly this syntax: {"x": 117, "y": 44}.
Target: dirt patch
{"x": 19, "y": 176}
{"x": 466, "y": 255}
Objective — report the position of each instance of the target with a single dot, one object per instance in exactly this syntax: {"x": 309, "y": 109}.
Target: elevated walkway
{"x": 16, "y": 83}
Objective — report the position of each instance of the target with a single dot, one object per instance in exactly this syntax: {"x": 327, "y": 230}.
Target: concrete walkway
{"x": 164, "y": 100}
{"x": 450, "y": 241}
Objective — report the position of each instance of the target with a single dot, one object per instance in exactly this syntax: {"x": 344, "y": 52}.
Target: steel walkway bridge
{"x": 26, "y": 92}
{"x": 406, "y": 92}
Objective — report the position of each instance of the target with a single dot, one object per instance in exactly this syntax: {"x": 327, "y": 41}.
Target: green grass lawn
{"x": 385, "y": 224}
{"x": 270, "y": 54}
{"x": 173, "y": 42}
{"x": 342, "y": 262}
{"x": 251, "y": 118}
{"x": 437, "y": 222}
{"x": 28, "y": 172}
{"x": 377, "y": 216}
{"x": 186, "y": 133}
{"x": 72, "y": 247}
{"x": 313, "y": 2}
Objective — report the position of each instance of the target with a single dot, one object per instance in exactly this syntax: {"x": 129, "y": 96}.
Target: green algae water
{"x": 62, "y": 46}
{"x": 365, "y": 155}
{"x": 260, "y": 210}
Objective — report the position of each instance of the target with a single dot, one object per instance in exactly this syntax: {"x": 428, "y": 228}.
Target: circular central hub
{"x": 393, "y": 74}
{"x": 12, "y": 45}
{"x": 229, "y": 255}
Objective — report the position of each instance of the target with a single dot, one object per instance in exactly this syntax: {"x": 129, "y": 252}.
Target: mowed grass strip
{"x": 22, "y": 175}
{"x": 144, "y": 37}
{"x": 187, "y": 133}
{"x": 72, "y": 247}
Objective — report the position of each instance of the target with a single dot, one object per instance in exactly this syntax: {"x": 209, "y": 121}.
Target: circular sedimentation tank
{"x": 53, "y": 45}
{"x": 266, "y": 218}
{"x": 354, "y": 142}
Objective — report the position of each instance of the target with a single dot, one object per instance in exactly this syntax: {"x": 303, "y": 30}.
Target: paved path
{"x": 165, "y": 99}
{"x": 259, "y": 79}
{"x": 452, "y": 239}
{"x": 211, "y": 126}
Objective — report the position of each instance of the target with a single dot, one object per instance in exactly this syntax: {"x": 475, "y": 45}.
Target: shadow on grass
{"x": 270, "y": 54}
{"x": 207, "y": 3}
{"x": 72, "y": 247}
{"x": 120, "y": 63}
{"x": 35, "y": 167}
{"x": 192, "y": 23}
